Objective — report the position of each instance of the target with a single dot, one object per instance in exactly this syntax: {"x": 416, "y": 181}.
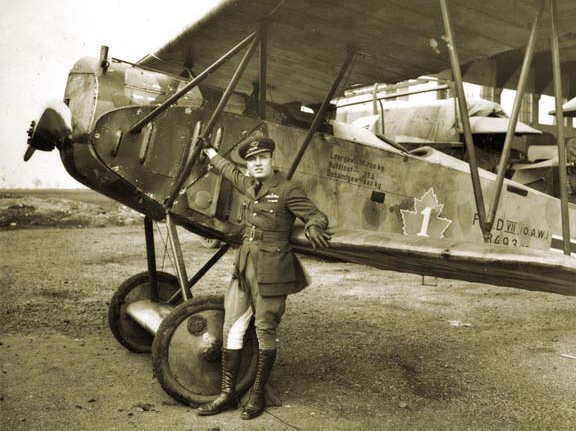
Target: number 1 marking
{"x": 426, "y": 213}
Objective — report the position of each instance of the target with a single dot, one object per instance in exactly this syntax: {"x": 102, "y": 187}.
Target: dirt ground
{"x": 360, "y": 349}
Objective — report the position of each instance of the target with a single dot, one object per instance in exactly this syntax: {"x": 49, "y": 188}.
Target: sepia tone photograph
{"x": 288, "y": 215}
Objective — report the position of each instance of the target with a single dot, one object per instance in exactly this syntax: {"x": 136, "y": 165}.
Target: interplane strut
{"x": 487, "y": 220}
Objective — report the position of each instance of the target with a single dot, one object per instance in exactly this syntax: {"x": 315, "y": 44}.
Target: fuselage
{"x": 360, "y": 181}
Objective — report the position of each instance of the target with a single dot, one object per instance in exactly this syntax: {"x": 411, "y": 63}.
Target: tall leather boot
{"x": 227, "y": 398}
{"x": 257, "y": 401}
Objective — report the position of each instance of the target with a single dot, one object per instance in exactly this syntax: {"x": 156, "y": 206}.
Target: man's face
{"x": 260, "y": 165}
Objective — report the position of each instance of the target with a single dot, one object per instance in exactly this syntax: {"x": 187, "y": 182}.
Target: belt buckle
{"x": 252, "y": 233}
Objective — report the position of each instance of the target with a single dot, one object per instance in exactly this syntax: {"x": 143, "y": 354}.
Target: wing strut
{"x": 263, "y": 69}
{"x": 230, "y": 88}
{"x": 486, "y": 222}
{"x": 560, "y": 124}
{"x": 195, "y": 150}
{"x": 520, "y": 90}
{"x": 136, "y": 128}
{"x": 321, "y": 111}
{"x": 468, "y": 140}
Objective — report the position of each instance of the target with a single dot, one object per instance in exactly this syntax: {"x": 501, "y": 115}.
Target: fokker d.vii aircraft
{"x": 131, "y": 131}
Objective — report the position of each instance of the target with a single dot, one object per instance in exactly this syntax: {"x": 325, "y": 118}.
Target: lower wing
{"x": 485, "y": 263}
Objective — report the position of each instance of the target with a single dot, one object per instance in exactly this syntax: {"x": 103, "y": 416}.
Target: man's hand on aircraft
{"x": 210, "y": 152}
{"x": 318, "y": 237}
{"x": 204, "y": 142}
{"x": 205, "y": 145}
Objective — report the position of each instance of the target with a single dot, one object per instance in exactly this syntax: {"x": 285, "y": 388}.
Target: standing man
{"x": 265, "y": 270}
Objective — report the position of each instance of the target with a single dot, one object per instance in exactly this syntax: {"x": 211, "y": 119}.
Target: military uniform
{"x": 269, "y": 215}
{"x": 266, "y": 270}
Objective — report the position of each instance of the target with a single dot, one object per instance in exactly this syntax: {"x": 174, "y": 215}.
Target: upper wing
{"x": 521, "y": 267}
{"x": 396, "y": 39}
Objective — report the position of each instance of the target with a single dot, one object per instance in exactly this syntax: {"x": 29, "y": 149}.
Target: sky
{"x": 40, "y": 40}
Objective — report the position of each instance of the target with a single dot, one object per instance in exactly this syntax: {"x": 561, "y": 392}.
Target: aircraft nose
{"x": 52, "y": 129}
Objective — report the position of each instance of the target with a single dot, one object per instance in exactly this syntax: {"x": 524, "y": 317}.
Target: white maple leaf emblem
{"x": 425, "y": 220}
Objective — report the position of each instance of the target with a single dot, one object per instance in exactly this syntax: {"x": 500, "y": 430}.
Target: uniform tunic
{"x": 266, "y": 268}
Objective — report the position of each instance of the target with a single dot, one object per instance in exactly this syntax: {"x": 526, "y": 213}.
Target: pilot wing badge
{"x": 272, "y": 197}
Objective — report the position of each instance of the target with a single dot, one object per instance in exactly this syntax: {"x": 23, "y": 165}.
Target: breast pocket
{"x": 276, "y": 264}
{"x": 265, "y": 214}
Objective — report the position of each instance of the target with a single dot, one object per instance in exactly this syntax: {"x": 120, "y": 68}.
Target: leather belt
{"x": 252, "y": 233}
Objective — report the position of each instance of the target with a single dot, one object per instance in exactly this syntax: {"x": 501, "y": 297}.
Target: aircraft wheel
{"x": 186, "y": 354}
{"x": 128, "y": 332}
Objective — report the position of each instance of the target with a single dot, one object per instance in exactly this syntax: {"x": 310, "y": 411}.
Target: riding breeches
{"x": 243, "y": 301}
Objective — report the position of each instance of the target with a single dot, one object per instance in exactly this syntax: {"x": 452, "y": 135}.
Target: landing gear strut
{"x": 148, "y": 313}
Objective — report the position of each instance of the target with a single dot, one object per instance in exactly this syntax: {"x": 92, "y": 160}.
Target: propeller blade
{"x": 29, "y": 151}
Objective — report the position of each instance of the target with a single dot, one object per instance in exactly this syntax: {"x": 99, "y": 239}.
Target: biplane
{"x": 132, "y": 131}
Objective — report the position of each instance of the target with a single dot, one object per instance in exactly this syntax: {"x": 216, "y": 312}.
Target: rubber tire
{"x": 129, "y": 333}
{"x": 161, "y": 360}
